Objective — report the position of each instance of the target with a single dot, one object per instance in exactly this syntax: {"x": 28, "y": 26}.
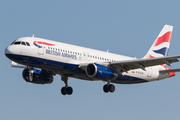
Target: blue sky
{"x": 124, "y": 27}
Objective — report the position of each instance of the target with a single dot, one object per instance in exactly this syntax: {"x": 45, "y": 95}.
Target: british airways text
{"x": 56, "y": 53}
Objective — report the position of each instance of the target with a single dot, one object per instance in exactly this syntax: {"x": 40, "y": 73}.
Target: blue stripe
{"x": 66, "y": 68}
{"x": 163, "y": 51}
{"x": 37, "y": 45}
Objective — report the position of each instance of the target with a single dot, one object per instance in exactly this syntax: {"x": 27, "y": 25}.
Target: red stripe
{"x": 149, "y": 56}
{"x": 44, "y": 43}
{"x": 165, "y": 38}
{"x": 165, "y": 66}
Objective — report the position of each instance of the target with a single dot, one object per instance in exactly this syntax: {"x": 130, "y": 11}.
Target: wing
{"x": 124, "y": 66}
{"x": 14, "y": 64}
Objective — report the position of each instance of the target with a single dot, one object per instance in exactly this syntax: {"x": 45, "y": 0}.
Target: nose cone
{"x": 7, "y": 51}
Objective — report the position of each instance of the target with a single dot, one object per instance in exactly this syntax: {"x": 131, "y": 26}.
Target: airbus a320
{"x": 42, "y": 59}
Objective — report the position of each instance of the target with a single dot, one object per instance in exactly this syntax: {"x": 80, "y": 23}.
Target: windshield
{"x": 17, "y": 42}
{"x": 20, "y": 42}
{"x": 13, "y": 42}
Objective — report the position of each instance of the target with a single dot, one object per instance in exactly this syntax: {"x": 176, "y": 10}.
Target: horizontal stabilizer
{"x": 14, "y": 64}
{"x": 167, "y": 71}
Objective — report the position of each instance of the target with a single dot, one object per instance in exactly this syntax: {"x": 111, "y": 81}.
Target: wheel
{"x": 27, "y": 78}
{"x": 63, "y": 90}
{"x": 111, "y": 88}
{"x": 105, "y": 88}
{"x": 69, "y": 90}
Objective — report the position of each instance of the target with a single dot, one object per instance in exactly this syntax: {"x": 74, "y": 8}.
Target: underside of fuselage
{"x": 70, "y": 70}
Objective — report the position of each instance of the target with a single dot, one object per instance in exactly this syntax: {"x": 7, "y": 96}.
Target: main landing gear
{"x": 66, "y": 90}
{"x": 109, "y": 87}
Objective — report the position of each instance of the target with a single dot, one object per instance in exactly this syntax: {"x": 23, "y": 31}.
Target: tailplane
{"x": 161, "y": 45}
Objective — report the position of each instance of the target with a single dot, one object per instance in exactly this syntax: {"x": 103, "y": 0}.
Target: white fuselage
{"x": 61, "y": 53}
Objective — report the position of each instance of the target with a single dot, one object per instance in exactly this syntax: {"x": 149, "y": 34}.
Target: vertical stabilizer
{"x": 161, "y": 45}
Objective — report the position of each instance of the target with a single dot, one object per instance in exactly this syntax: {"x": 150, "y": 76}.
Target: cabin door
{"x": 41, "y": 50}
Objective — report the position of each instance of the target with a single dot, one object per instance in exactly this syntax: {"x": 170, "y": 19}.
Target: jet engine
{"x": 100, "y": 72}
{"x": 37, "y": 76}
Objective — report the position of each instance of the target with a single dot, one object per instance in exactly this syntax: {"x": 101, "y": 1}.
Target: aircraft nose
{"x": 8, "y": 50}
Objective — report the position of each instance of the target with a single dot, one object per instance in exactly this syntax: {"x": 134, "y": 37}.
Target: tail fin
{"x": 160, "y": 46}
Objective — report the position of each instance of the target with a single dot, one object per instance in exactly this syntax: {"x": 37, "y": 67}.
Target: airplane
{"x": 42, "y": 59}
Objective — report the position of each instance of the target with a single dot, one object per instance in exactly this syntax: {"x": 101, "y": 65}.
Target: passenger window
{"x": 23, "y": 43}
{"x": 17, "y": 43}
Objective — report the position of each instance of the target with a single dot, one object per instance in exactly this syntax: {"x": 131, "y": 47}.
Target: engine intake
{"x": 37, "y": 76}
{"x": 100, "y": 72}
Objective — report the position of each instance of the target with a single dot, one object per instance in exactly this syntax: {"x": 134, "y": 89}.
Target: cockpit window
{"x": 17, "y": 42}
{"x": 27, "y": 44}
{"x": 20, "y": 42}
{"x": 23, "y": 43}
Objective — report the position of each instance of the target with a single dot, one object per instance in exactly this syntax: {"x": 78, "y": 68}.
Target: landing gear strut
{"x": 66, "y": 90}
{"x": 109, "y": 87}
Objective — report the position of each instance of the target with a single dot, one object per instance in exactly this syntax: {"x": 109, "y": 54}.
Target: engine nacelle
{"x": 37, "y": 76}
{"x": 100, "y": 72}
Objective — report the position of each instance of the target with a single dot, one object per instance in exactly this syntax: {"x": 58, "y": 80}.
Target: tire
{"x": 106, "y": 89}
{"x": 69, "y": 90}
{"x": 111, "y": 88}
{"x": 63, "y": 91}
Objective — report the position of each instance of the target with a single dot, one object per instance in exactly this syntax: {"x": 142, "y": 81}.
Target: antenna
{"x": 33, "y": 35}
{"x": 107, "y": 51}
